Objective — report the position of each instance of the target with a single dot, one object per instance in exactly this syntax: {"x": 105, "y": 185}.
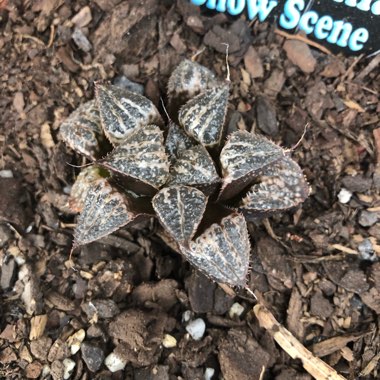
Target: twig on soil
{"x": 51, "y": 37}
{"x": 300, "y": 37}
{"x": 315, "y": 366}
{"x": 29, "y": 37}
{"x": 344, "y": 249}
{"x": 370, "y": 366}
{"x": 228, "y": 79}
{"x": 193, "y": 58}
{"x": 348, "y": 71}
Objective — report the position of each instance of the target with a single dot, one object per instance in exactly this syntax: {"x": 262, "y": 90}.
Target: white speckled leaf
{"x": 188, "y": 80}
{"x": 222, "y": 252}
{"x": 242, "y": 158}
{"x": 203, "y": 116}
{"x": 142, "y": 157}
{"x": 176, "y": 141}
{"x": 180, "y": 210}
{"x": 195, "y": 167}
{"x": 105, "y": 211}
{"x": 86, "y": 178}
{"x": 82, "y": 131}
{"x": 282, "y": 186}
{"x": 122, "y": 112}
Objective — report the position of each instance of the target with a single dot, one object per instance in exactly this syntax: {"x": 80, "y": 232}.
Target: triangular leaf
{"x": 105, "y": 211}
{"x": 186, "y": 81}
{"x": 82, "y": 131}
{"x": 203, "y": 116}
{"x": 195, "y": 167}
{"x": 86, "y": 178}
{"x": 176, "y": 141}
{"x": 242, "y": 158}
{"x": 222, "y": 252}
{"x": 141, "y": 157}
{"x": 180, "y": 210}
{"x": 282, "y": 186}
{"x": 122, "y": 112}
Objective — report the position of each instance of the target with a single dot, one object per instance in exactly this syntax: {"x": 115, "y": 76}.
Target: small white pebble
{"x": 186, "y": 316}
{"x": 29, "y": 228}
{"x": 209, "y": 373}
{"x": 45, "y": 371}
{"x": 68, "y": 365}
{"x": 344, "y": 196}
{"x": 20, "y": 260}
{"x": 169, "y": 341}
{"x": 196, "y": 328}
{"x": 114, "y": 362}
{"x": 236, "y": 310}
{"x": 6, "y": 173}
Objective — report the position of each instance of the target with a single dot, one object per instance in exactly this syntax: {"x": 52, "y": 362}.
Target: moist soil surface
{"x": 317, "y": 268}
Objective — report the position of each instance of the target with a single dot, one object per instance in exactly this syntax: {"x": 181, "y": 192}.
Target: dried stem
{"x": 315, "y": 366}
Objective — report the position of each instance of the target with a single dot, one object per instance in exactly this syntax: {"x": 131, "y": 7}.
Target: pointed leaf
{"x": 195, "y": 167}
{"x": 186, "y": 81}
{"x": 203, "y": 116}
{"x": 86, "y": 178}
{"x": 82, "y": 131}
{"x": 141, "y": 157}
{"x": 105, "y": 211}
{"x": 122, "y": 112}
{"x": 222, "y": 252}
{"x": 242, "y": 158}
{"x": 282, "y": 186}
{"x": 180, "y": 210}
{"x": 176, "y": 141}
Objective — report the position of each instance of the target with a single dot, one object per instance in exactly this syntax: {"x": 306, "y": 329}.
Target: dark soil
{"x": 318, "y": 272}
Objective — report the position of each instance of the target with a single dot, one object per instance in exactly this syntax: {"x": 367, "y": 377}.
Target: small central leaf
{"x": 180, "y": 210}
{"x": 176, "y": 141}
{"x": 194, "y": 167}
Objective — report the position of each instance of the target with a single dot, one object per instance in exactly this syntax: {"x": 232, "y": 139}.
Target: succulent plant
{"x": 202, "y": 186}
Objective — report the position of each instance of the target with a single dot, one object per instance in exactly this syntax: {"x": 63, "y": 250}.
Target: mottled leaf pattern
{"x": 176, "y": 141}
{"x": 188, "y": 80}
{"x": 105, "y": 211}
{"x": 242, "y": 158}
{"x": 180, "y": 210}
{"x": 176, "y": 179}
{"x": 141, "y": 156}
{"x": 194, "y": 167}
{"x": 203, "y": 116}
{"x": 81, "y": 186}
{"x": 281, "y": 186}
{"x": 122, "y": 112}
{"x": 81, "y": 131}
{"x": 222, "y": 252}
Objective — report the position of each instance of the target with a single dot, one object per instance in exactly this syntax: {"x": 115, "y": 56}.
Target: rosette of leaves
{"x": 202, "y": 186}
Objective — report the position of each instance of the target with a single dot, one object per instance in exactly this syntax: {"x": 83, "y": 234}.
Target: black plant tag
{"x": 349, "y": 25}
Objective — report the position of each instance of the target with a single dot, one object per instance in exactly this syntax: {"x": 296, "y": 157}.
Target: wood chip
{"x": 37, "y": 326}
{"x": 315, "y": 366}
{"x": 46, "y": 137}
{"x": 334, "y": 344}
